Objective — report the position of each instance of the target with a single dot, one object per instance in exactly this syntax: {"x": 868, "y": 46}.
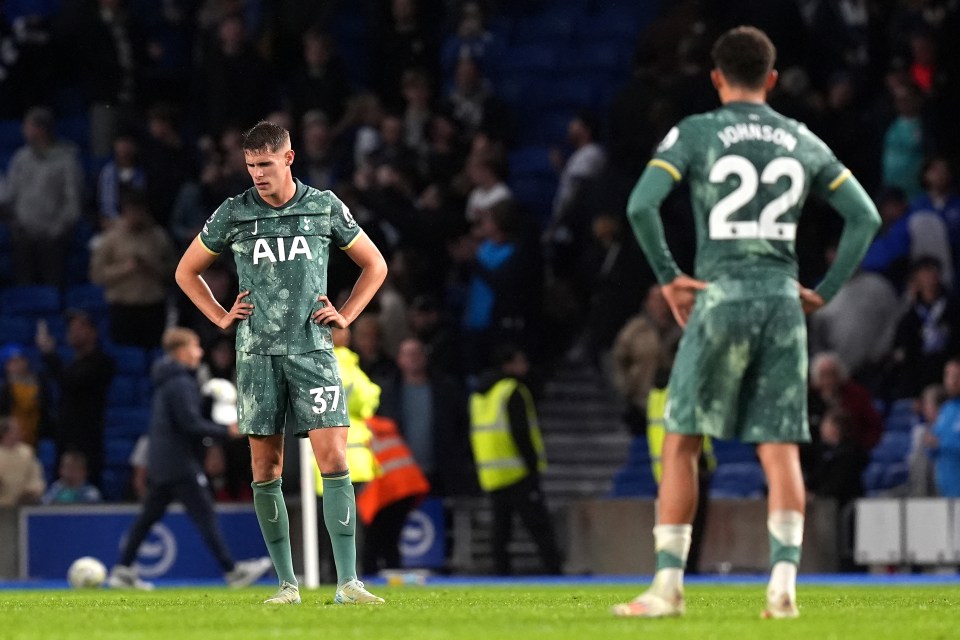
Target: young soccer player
{"x": 280, "y": 232}
{"x": 741, "y": 368}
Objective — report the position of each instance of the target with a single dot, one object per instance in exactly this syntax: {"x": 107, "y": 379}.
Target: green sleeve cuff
{"x": 643, "y": 211}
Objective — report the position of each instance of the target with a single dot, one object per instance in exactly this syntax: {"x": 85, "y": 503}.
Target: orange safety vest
{"x": 398, "y": 475}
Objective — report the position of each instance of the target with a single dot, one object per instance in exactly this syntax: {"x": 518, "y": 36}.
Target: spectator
{"x": 904, "y": 139}
{"x": 174, "y": 469}
{"x": 123, "y": 172}
{"x": 471, "y": 40}
{"x": 473, "y": 103}
{"x": 928, "y": 333}
{"x": 24, "y": 395}
{"x": 405, "y": 41}
{"x": 226, "y": 462}
{"x": 21, "y": 476}
{"x": 429, "y": 323}
{"x": 321, "y": 82}
{"x": 417, "y": 114}
{"x": 486, "y": 174}
{"x": 168, "y": 162}
{"x": 72, "y": 487}
{"x": 367, "y": 343}
{"x": 317, "y": 164}
{"x": 83, "y": 382}
{"x": 833, "y": 389}
{"x": 508, "y": 449}
{"x": 44, "y": 183}
{"x": 134, "y": 263}
{"x": 840, "y": 462}
{"x": 920, "y": 480}
{"x": 943, "y": 444}
{"x": 567, "y": 229}
{"x": 940, "y": 198}
{"x": 431, "y": 411}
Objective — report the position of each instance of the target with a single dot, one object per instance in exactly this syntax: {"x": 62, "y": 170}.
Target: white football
{"x": 86, "y": 573}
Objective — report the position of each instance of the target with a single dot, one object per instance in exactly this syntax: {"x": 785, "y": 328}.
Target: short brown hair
{"x": 176, "y": 337}
{"x": 266, "y": 136}
{"x": 745, "y": 56}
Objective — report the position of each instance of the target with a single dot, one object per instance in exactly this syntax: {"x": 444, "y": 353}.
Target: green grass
{"x": 524, "y": 612}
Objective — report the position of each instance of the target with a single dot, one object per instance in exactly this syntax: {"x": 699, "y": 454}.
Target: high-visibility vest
{"x": 656, "y": 432}
{"x": 498, "y": 461}
{"x": 362, "y": 398}
{"x": 398, "y": 475}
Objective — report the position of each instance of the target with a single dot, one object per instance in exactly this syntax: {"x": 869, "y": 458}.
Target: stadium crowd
{"x": 422, "y": 132}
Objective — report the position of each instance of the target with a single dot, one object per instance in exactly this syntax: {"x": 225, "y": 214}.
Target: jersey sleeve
{"x": 673, "y": 152}
{"x": 215, "y": 235}
{"x": 343, "y": 228}
{"x": 830, "y": 173}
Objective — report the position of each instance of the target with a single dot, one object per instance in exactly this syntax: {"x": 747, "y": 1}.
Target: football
{"x": 86, "y": 573}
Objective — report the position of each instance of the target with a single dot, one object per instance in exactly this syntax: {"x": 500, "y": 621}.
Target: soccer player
{"x": 741, "y": 369}
{"x": 280, "y": 232}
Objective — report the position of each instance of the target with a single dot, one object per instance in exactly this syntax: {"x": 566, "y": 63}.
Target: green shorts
{"x": 741, "y": 369}
{"x": 304, "y": 387}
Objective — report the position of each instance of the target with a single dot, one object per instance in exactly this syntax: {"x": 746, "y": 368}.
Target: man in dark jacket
{"x": 174, "y": 465}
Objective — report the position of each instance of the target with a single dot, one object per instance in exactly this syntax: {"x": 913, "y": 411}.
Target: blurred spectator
{"x": 83, "y": 383}
{"x": 509, "y": 454}
{"x": 920, "y": 481}
{"x": 431, "y": 410}
{"x": 840, "y": 462}
{"x": 24, "y": 395}
{"x": 393, "y": 150}
{"x": 366, "y": 340}
{"x": 642, "y": 356}
{"x": 359, "y": 130}
{"x": 446, "y": 153}
{"x": 569, "y": 223}
{"x": 858, "y": 324}
{"x": 21, "y": 476}
{"x": 44, "y": 184}
{"x": 473, "y": 104}
{"x": 167, "y": 160}
{"x": 321, "y": 82}
{"x": 486, "y": 173}
{"x": 847, "y": 130}
{"x": 123, "y": 172}
{"x": 943, "y": 440}
{"x": 504, "y": 288}
{"x": 903, "y": 142}
{"x": 404, "y": 41}
{"x": 429, "y": 323}
{"x": 417, "y": 113}
{"x": 832, "y": 388}
{"x": 940, "y": 198}
{"x": 134, "y": 262}
{"x": 72, "y": 487}
{"x": 28, "y": 70}
{"x": 316, "y": 163}
{"x": 235, "y": 81}
{"x": 471, "y": 40}
{"x": 138, "y": 468}
{"x": 928, "y": 333}
{"x": 103, "y": 41}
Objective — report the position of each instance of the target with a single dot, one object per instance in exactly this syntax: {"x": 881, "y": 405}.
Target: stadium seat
{"x": 30, "y": 300}
{"x": 117, "y": 451}
{"x": 47, "y": 454}
{"x": 11, "y": 134}
{"x": 553, "y": 28}
{"x": 115, "y": 481}
{"x": 733, "y": 451}
{"x": 529, "y": 58}
{"x": 872, "y": 477}
{"x": 88, "y": 297}
{"x": 126, "y": 422}
{"x": 535, "y": 194}
{"x": 738, "y": 480}
{"x": 533, "y": 160}
{"x": 128, "y": 360}
{"x": 16, "y": 329}
{"x": 902, "y": 415}
{"x": 894, "y": 446}
{"x": 895, "y": 475}
{"x": 129, "y": 391}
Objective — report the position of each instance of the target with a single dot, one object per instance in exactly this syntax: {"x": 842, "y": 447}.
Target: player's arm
{"x": 197, "y": 259}
{"x": 860, "y": 224}
{"x": 373, "y": 271}
{"x": 643, "y": 210}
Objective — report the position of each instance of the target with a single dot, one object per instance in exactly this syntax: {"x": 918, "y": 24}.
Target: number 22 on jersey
{"x": 768, "y": 226}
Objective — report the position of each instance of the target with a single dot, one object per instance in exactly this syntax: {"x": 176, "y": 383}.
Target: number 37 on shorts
{"x": 320, "y": 395}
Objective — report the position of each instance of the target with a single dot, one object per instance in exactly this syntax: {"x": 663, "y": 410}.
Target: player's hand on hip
{"x": 328, "y": 314}
{"x": 680, "y": 294}
{"x": 240, "y": 310}
{"x": 810, "y": 300}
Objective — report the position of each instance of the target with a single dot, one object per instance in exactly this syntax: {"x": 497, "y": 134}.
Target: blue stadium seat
{"x": 115, "y": 481}
{"x": 88, "y": 297}
{"x": 635, "y": 479}
{"x": 553, "y": 28}
{"x": 872, "y": 477}
{"x": 738, "y": 480}
{"x": 128, "y": 360}
{"x": 47, "y": 454}
{"x": 532, "y": 160}
{"x": 16, "y": 329}
{"x": 895, "y": 475}
{"x": 126, "y": 422}
{"x": 605, "y": 56}
{"x": 570, "y": 94}
{"x": 894, "y": 446}
{"x": 11, "y": 135}
{"x": 733, "y": 451}
{"x": 529, "y": 58}
{"x": 902, "y": 415}
{"x": 544, "y": 127}
{"x": 129, "y": 391}
{"x": 535, "y": 194}
{"x": 75, "y": 128}
{"x": 117, "y": 451}
{"x": 30, "y": 300}
{"x": 19, "y": 8}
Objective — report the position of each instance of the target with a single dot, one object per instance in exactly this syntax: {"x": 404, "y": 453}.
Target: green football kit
{"x": 741, "y": 368}
{"x": 284, "y": 359}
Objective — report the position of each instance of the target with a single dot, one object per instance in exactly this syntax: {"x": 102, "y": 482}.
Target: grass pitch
{"x": 458, "y": 612}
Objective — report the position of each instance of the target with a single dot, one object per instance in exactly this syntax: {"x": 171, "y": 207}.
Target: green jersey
{"x": 281, "y": 255}
{"x": 750, "y": 170}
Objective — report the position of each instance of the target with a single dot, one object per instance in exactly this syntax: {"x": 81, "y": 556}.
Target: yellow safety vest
{"x": 363, "y": 398}
{"x": 494, "y": 450}
{"x": 656, "y": 431}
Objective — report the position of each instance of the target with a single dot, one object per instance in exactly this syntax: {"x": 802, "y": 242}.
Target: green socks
{"x": 275, "y": 526}
{"x": 340, "y": 517}
{"x": 785, "y": 529}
